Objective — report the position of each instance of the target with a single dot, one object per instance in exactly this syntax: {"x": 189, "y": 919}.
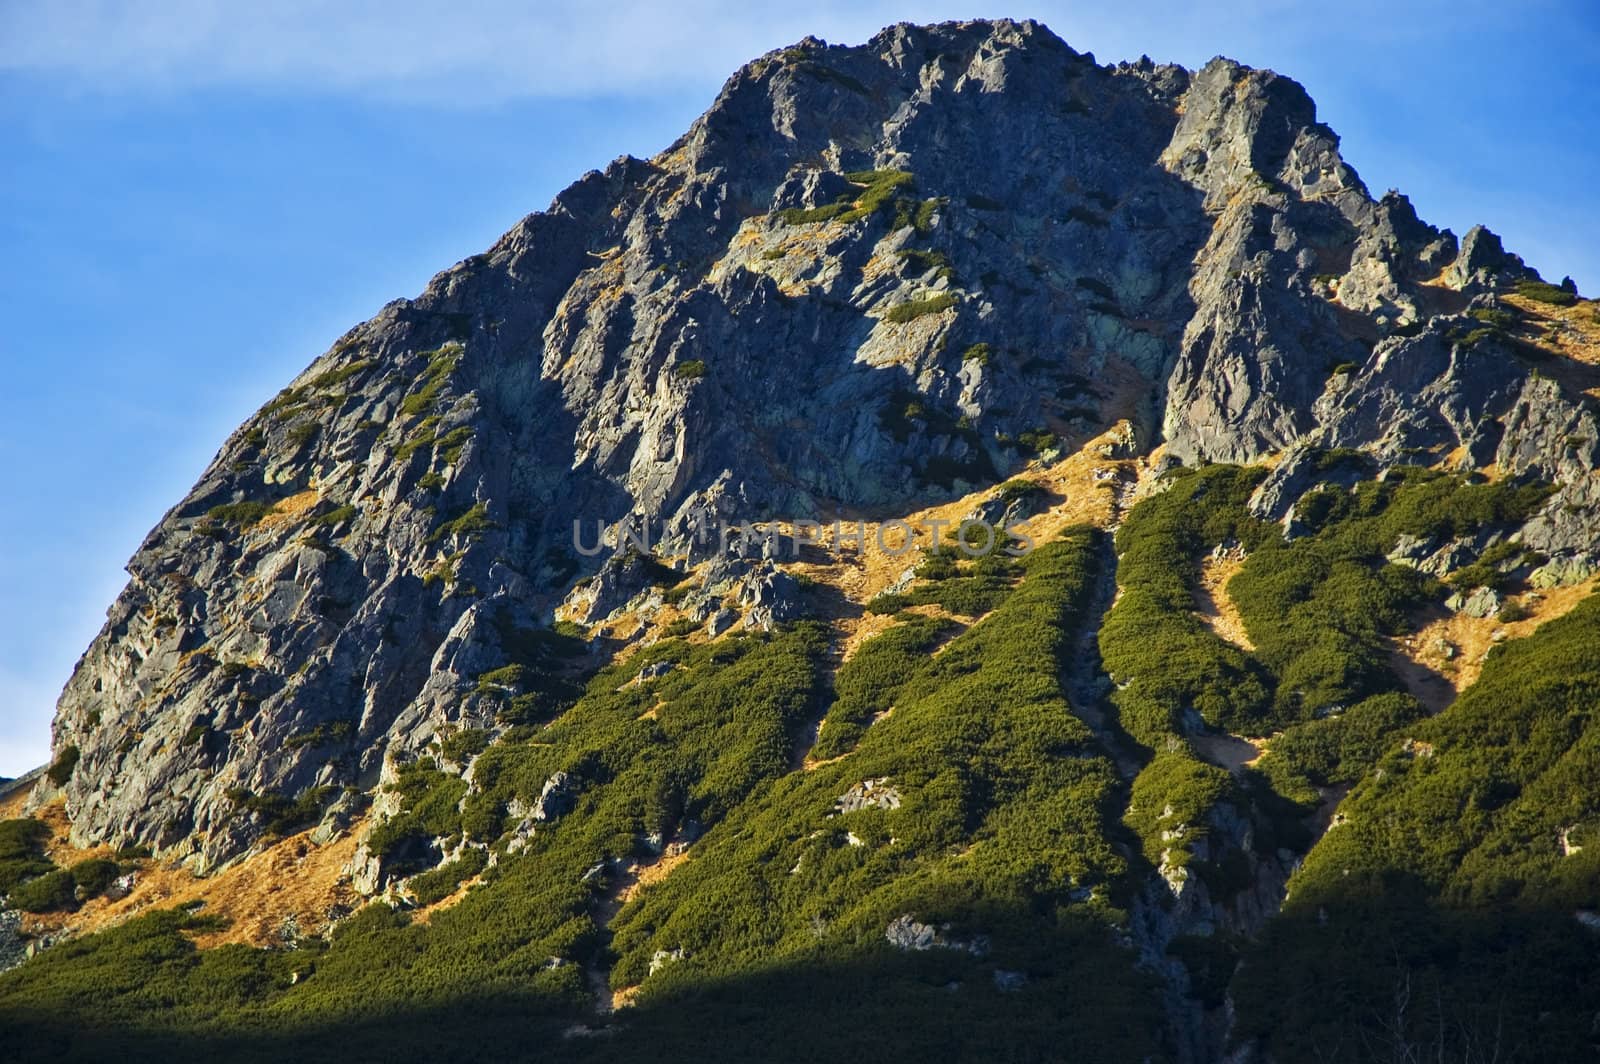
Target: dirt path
{"x": 1213, "y": 604}
{"x": 1232, "y": 752}
{"x": 1088, "y": 688}
{"x": 1433, "y": 689}
{"x": 1446, "y": 653}
{"x": 624, "y": 885}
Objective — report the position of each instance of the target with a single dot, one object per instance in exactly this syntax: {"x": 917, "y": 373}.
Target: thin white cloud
{"x": 467, "y": 50}
{"x": 477, "y": 51}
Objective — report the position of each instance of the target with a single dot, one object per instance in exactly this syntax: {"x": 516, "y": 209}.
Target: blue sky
{"x": 199, "y": 198}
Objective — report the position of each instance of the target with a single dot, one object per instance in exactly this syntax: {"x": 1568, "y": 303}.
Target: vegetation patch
{"x": 22, "y": 854}
{"x": 913, "y": 309}
{"x": 327, "y": 733}
{"x": 1463, "y": 855}
{"x": 925, "y": 261}
{"x": 867, "y": 684}
{"x": 337, "y": 516}
{"x": 441, "y": 363}
{"x": 238, "y": 515}
{"x": 473, "y": 522}
{"x": 430, "y": 888}
{"x": 880, "y": 191}
{"x": 333, "y": 378}
{"x": 61, "y": 768}
{"x": 1544, "y": 292}
{"x": 282, "y": 814}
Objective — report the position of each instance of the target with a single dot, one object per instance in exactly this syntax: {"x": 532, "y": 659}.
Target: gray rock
{"x": 1483, "y": 261}
{"x": 1559, "y": 572}
{"x": 906, "y": 933}
{"x": 663, "y": 957}
{"x": 868, "y": 794}
{"x": 621, "y": 580}
{"x": 1009, "y": 981}
{"x": 654, "y": 671}
{"x": 121, "y": 887}
{"x": 556, "y": 799}
{"x": 1480, "y": 602}
{"x": 13, "y": 946}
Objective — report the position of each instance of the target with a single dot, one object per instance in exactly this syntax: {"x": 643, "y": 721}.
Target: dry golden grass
{"x": 12, "y": 806}
{"x": 1470, "y": 638}
{"x": 1213, "y": 604}
{"x": 290, "y": 878}
{"x": 650, "y": 873}
{"x": 292, "y": 510}
{"x": 1572, "y": 334}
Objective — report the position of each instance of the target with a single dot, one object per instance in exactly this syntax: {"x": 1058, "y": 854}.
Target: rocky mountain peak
{"x": 866, "y": 279}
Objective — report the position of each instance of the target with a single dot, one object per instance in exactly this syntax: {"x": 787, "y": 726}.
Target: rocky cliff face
{"x": 865, "y": 279}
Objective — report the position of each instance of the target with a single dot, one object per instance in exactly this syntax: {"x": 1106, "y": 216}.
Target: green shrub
{"x": 52, "y": 892}
{"x": 683, "y": 626}
{"x": 880, "y": 190}
{"x": 1020, "y": 488}
{"x": 922, "y": 221}
{"x": 929, "y": 260}
{"x": 1485, "y": 571}
{"x": 60, "y": 770}
{"x": 334, "y": 377}
{"x": 1175, "y": 791}
{"x": 1512, "y": 612}
{"x": 337, "y": 516}
{"x": 441, "y": 363}
{"x": 430, "y": 888}
{"x": 240, "y": 515}
{"x": 979, "y": 353}
{"x": 430, "y": 808}
{"x": 281, "y": 814}
{"x": 326, "y": 733}
{"x": 453, "y": 443}
{"x": 284, "y": 404}
{"x": 92, "y": 878}
{"x": 868, "y": 683}
{"x": 1543, "y": 292}
{"x": 1447, "y": 873}
{"x": 691, "y": 370}
{"x": 1474, "y": 337}
{"x": 1494, "y": 316}
{"x": 471, "y": 523}
{"x": 1037, "y": 441}
{"x": 916, "y": 308}
{"x": 464, "y": 745}
{"x": 22, "y": 853}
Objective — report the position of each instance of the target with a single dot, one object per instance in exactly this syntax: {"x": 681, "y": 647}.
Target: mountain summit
{"x": 667, "y": 789}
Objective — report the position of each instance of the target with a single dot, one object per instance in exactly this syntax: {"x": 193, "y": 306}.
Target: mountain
{"x": 425, "y": 768}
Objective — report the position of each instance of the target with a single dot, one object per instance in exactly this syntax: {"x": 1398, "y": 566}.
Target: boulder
{"x": 556, "y": 799}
